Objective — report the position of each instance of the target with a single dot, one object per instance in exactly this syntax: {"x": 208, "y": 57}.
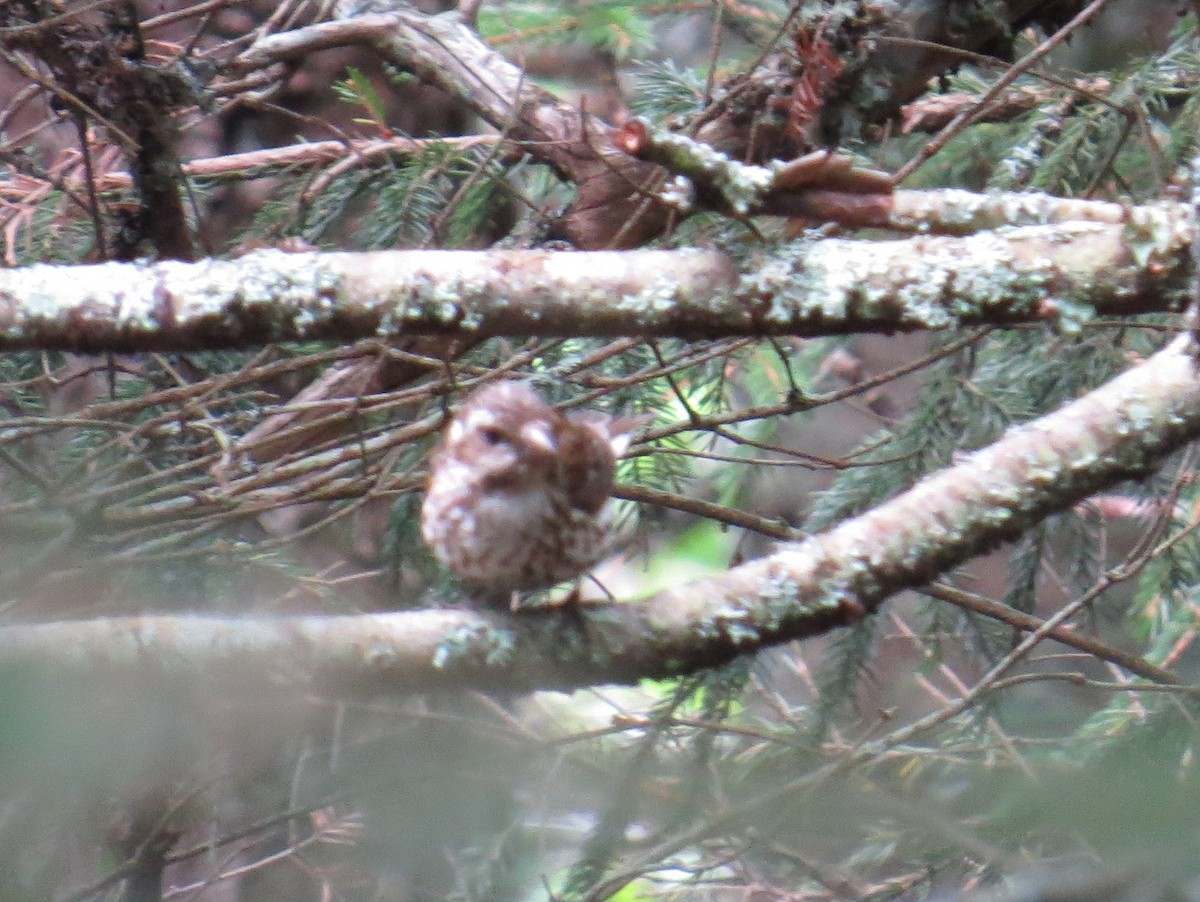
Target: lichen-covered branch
{"x": 954, "y": 211}
{"x": 722, "y": 183}
{"x": 617, "y": 201}
{"x": 828, "y": 187}
{"x": 1062, "y": 272}
{"x": 1119, "y": 431}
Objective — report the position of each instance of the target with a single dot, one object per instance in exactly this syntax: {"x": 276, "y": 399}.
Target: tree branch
{"x": 616, "y": 204}
{"x": 1116, "y": 432}
{"x": 1061, "y": 273}
{"x": 444, "y": 50}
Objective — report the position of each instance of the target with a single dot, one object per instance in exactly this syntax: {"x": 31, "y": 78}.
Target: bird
{"x": 518, "y": 493}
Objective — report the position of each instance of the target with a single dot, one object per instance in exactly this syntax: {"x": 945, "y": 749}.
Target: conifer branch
{"x": 1119, "y": 431}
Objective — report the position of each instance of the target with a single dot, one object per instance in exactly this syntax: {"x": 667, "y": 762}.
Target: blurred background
{"x": 271, "y": 483}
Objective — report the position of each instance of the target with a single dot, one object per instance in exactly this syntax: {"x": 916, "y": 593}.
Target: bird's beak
{"x": 538, "y": 437}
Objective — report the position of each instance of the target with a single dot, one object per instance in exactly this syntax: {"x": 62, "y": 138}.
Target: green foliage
{"x": 1129, "y": 144}
{"x": 638, "y": 891}
{"x": 1100, "y": 141}
{"x": 891, "y": 461}
{"x": 1142, "y": 767}
{"x": 48, "y": 236}
{"x": 443, "y": 195}
{"x": 666, "y": 89}
{"x": 322, "y": 219}
{"x": 967, "y": 401}
{"x": 357, "y": 89}
{"x": 621, "y": 28}
{"x": 1024, "y": 568}
{"x": 847, "y": 664}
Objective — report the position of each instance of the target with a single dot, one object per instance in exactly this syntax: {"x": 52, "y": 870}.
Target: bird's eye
{"x": 491, "y": 435}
